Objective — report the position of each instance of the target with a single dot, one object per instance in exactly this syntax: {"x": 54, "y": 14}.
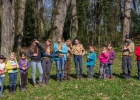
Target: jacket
{"x": 111, "y": 57}
{"x": 21, "y": 66}
{"x": 38, "y": 58}
{"x": 104, "y": 57}
{"x": 9, "y": 67}
{"x": 91, "y": 59}
{"x": 130, "y": 48}
{"x": 64, "y": 50}
{"x": 137, "y": 52}
{"x": 43, "y": 54}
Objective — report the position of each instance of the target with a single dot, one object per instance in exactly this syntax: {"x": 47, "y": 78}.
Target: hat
{"x": 127, "y": 36}
{"x": 2, "y": 57}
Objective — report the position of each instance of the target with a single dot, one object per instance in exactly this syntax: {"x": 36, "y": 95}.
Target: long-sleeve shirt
{"x": 37, "y": 50}
{"x": 104, "y": 57}
{"x": 10, "y": 66}
{"x": 22, "y": 63}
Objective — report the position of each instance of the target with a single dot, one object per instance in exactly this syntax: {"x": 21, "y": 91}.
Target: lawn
{"x": 85, "y": 89}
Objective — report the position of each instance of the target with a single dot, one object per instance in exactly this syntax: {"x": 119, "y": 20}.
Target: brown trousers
{"x": 67, "y": 68}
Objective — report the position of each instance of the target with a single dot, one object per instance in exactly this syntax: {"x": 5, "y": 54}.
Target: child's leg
{"x": 92, "y": 71}
{"x": 80, "y": 65}
{"x": 33, "y": 64}
{"x": 62, "y": 67}
{"x": 48, "y": 70}
{"x": 58, "y": 68}
{"x": 11, "y": 79}
{"x": 68, "y": 67}
{"x": 76, "y": 65}
{"x": 66, "y": 70}
{"x": 44, "y": 67}
{"x": 21, "y": 80}
{"x": 25, "y": 79}
{"x": 110, "y": 70}
{"x": 39, "y": 66}
{"x": 15, "y": 81}
{"x": 2, "y": 86}
{"x": 88, "y": 71}
{"x": 101, "y": 69}
{"x": 138, "y": 64}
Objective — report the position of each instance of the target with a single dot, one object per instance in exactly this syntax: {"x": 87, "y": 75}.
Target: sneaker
{"x": 22, "y": 89}
{"x": 111, "y": 77}
{"x": 35, "y": 85}
{"x": 107, "y": 77}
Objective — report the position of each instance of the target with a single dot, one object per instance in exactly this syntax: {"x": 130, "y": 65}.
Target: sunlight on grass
{"x": 95, "y": 89}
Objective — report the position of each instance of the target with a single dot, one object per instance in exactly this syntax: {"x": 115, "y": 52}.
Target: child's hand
{"x": 35, "y": 54}
{"x": 15, "y": 66}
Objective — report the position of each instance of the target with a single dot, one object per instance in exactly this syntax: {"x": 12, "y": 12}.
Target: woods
{"x": 96, "y": 22}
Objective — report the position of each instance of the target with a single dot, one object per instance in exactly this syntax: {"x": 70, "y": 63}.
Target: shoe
{"x": 35, "y": 85}
{"x": 58, "y": 80}
{"x": 14, "y": 89}
{"x": 47, "y": 83}
{"x": 77, "y": 77}
{"x": 22, "y": 89}
{"x": 80, "y": 77}
{"x": 107, "y": 77}
{"x": 41, "y": 84}
{"x": 111, "y": 77}
{"x": 10, "y": 90}
{"x": 62, "y": 79}
{"x": 100, "y": 76}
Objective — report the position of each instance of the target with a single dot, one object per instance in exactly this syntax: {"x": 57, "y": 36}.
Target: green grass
{"x": 95, "y": 89}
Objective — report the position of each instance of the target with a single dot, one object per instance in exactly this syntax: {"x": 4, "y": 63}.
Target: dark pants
{"x": 127, "y": 66}
{"x": 67, "y": 68}
{"x": 138, "y": 64}
{"x": 46, "y": 66}
{"x": 78, "y": 64}
{"x": 103, "y": 70}
{"x": 23, "y": 79}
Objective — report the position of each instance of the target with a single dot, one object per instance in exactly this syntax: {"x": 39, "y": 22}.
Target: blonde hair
{"x": 12, "y": 53}
{"x": 62, "y": 39}
{"x": 91, "y": 46}
{"x": 104, "y": 48}
{"x": 70, "y": 42}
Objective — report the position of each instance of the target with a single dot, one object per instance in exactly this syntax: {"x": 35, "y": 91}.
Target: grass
{"x": 95, "y": 89}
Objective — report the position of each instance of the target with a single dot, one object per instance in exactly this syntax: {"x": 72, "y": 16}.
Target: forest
{"x": 96, "y": 22}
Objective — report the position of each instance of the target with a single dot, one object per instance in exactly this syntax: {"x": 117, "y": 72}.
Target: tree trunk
{"x": 127, "y": 18}
{"x": 20, "y": 25}
{"x": 8, "y": 27}
{"x": 74, "y": 20}
{"x": 60, "y": 12}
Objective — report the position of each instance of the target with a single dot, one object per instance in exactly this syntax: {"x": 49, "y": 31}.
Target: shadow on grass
{"x": 118, "y": 75}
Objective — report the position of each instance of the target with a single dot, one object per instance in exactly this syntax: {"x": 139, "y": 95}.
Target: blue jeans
{"x": 138, "y": 64}
{"x": 90, "y": 71}
{"x": 1, "y": 84}
{"x": 39, "y": 66}
{"x": 13, "y": 79}
{"x": 78, "y": 63}
{"x": 109, "y": 70}
{"x": 60, "y": 67}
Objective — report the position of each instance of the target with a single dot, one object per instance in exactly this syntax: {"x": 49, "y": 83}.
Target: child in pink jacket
{"x": 104, "y": 56}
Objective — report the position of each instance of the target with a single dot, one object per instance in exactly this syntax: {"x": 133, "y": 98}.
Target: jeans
{"x": 39, "y": 66}
{"x": 90, "y": 71}
{"x": 109, "y": 70}
{"x": 78, "y": 63}
{"x": 60, "y": 63}
{"x": 13, "y": 79}
{"x": 1, "y": 84}
{"x": 138, "y": 64}
{"x": 103, "y": 70}
{"x": 46, "y": 65}
{"x": 127, "y": 66}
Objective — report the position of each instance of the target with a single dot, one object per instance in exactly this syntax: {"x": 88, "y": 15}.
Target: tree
{"x": 60, "y": 12}
{"x": 7, "y": 26}
{"x": 127, "y": 18}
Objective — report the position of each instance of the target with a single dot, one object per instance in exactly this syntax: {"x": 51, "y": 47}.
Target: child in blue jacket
{"x": 60, "y": 50}
{"x": 91, "y": 59}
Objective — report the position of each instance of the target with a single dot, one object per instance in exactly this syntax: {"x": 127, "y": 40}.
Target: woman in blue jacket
{"x": 60, "y": 50}
{"x": 91, "y": 59}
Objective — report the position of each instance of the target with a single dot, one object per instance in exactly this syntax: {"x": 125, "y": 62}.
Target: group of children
{"x": 42, "y": 57}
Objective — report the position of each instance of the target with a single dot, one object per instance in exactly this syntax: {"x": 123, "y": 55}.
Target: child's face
{"x": 23, "y": 57}
{"x": 59, "y": 40}
{"x": 109, "y": 47}
{"x": 1, "y": 60}
{"x": 12, "y": 57}
{"x": 68, "y": 43}
{"x": 104, "y": 50}
{"x": 48, "y": 43}
{"x": 91, "y": 49}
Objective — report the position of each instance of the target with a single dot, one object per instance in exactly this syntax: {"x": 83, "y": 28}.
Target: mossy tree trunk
{"x": 7, "y": 26}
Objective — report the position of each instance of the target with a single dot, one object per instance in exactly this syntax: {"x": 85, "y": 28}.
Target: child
{"x": 91, "y": 59}
{"x": 23, "y": 65}
{"x": 104, "y": 56}
{"x": 60, "y": 49}
{"x": 12, "y": 68}
{"x": 68, "y": 61}
{"x": 2, "y": 75}
{"x": 137, "y": 52}
{"x": 110, "y": 60}
{"x": 78, "y": 51}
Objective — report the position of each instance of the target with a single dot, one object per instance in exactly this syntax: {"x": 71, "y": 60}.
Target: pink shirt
{"x": 104, "y": 57}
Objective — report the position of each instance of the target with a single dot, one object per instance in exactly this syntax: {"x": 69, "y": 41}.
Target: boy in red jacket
{"x": 137, "y": 52}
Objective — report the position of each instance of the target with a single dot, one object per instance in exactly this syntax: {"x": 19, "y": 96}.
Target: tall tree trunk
{"x": 60, "y": 12}
{"x": 74, "y": 20}
{"x": 127, "y": 17}
{"x": 20, "y": 25}
{"x": 8, "y": 27}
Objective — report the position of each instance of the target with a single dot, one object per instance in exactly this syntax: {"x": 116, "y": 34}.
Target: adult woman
{"x": 78, "y": 51}
{"x": 60, "y": 50}
{"x": 34, "y": 53}
{"x": 47, "y": 61}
